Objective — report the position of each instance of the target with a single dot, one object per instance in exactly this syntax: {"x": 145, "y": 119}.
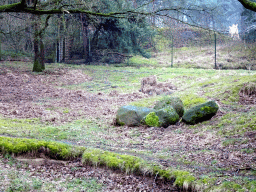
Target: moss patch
{"x": 152, "y": 120}
{"x": 56, "y": 150}
{"x": 131, "y": 164}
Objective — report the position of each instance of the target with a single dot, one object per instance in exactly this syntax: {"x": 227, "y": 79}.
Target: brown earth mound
{"x": 150, "y": 86}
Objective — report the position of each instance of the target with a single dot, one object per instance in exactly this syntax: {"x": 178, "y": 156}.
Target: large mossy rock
{"x": 174, "y": 102}
{"x": 161, "y": 118}
{"x": 131, "y": 115}
{"x": 200, "y": 113}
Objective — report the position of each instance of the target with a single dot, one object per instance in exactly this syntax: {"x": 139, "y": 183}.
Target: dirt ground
{"x": 26, "y": 95}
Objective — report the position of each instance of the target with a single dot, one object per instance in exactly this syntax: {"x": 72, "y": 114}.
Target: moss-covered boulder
{"x": 161, "y": 118}
{"x": 175, "y": 102}
{"x": 200, "y": 113}
{"x": 131, "y": 115}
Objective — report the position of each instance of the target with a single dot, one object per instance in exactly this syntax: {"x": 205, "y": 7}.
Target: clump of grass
{"x": 248, "y": 89}
{"x": 81, "y": 184}
{"x": 52, "y": 149}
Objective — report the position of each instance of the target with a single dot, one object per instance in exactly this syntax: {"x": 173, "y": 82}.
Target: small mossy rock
{"x": 200, "y": 113}
{"x": 131, "y": 115}
{"x": 161, "y": 118}
{"x": 175, "y": 102}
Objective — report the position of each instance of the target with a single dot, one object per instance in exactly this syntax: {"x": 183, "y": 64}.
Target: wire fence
{"x": 202, "y": 49}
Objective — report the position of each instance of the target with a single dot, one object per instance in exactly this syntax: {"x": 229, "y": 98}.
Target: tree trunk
{"x": 0, "y": 49}
{"x": 42, "y": 53}
{"x": 38, "y": 47}
{"x": 85, "y": 38}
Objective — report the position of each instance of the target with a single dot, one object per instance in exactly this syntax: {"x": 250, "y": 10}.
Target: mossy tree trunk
{"x": 38, "y": 65}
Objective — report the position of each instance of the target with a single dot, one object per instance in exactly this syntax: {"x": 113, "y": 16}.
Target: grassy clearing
{"x": 150, "y": 146}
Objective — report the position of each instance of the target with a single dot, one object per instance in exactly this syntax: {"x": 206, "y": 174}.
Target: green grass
{"x": 142, "y": 61}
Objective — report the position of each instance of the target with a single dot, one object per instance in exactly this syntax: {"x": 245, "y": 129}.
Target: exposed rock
{"x": 175, "y": 102}
{"x": 167, "y": 116}
{"x": 131, "y": 115}
{"x": 200, "y": 113}
{"x": 161, "y": 118}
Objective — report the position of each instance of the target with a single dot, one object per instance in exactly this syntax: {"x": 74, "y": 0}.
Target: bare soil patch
{"x": 26, "y": 95}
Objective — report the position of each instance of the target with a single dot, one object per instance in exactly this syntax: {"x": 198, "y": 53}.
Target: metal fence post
{"x": 172, "y": 52}
{"x": 215, "y": 51}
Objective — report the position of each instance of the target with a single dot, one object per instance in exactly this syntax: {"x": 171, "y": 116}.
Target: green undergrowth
{"x": 240, "y": 185}
{"x": 32, "y": 128}
{"x": 56, "y": 150}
